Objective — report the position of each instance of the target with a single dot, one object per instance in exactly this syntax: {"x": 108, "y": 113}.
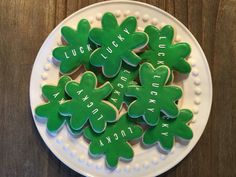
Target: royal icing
{"x": 73, "y": 132}
{"x": 167, "y": 129}
{"x": 56, "y": 96}
{"x": 153, "y": 96}
{"x": 78, "y": 50}
{"x": 113, "y": 142}
{"x": 117, "y": 43}
{"x": 87, "y": 103}
{"x": 120, "y": 83}
{"x": 162, "y": 51}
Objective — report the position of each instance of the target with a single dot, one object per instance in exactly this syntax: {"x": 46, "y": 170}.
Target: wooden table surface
{"x": 24, "y": 25}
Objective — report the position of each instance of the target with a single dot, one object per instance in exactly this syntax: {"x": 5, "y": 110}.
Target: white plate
{"x": 197, "y": 95}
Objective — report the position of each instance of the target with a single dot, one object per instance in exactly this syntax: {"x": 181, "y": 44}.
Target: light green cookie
{"x": 56, "y": 96}
{"x": 78, "y": 50}
{"x": 87, "y": 103}
{"x": 153, "y": 96}
{"x": 167, "y": 129}
{"x": 117, "y": 44}
{"x": 113, "y": 142}
{"x": 162, "y": 51}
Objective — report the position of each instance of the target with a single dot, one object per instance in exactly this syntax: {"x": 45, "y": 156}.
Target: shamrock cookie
{"x": 56, "y": 96}
{"x": 117, "y": 43}
{"x": 113, "y": 142}
{"x": 167, "y": 129}
{"x": 78, "y": 50}
{"x": 87, "y": 103}
{"x": 162, "y": 51}
{"x": 120, "y": 83}
{"x": 153, "y": 96}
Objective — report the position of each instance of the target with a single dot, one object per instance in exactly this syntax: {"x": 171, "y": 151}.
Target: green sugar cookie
{"x": 88, "y": 103}
{"x": 120, "y": 83}
{"x": 117, "y": 44}
{"x": 162, "y": 51}
{"x": 167, "y": 129}
{"x": 153, "y": 96}
{"x": 56, "y": 96}
{"x": 78, "y": 50}
{"x": 113, "y": 142}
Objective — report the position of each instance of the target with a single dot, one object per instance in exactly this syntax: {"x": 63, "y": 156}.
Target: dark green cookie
{"x": 117, "y": 43}
{"x": 120, "y": 84}
{"x": 78, "y": 50}
{"x": 167, "y": 129}
{"x": 153, "y": 96}
{"x": 56, "y": 96}
{"x": 113, "y": 142}
{"x": 162, "y": 51}
{"x": 87, "y": 103}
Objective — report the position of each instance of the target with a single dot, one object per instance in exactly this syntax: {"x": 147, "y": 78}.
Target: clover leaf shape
{"x": 167, "y": 130}
{"x": 162, "y": 51}
{"x": 87, "y": 103}
{"x": 153, "y": 96}
{"x": 78, "y": 50}
{"x": 117, "y": 43}
{"x": 113, "y": 141}
{"x": 55, "y": 95}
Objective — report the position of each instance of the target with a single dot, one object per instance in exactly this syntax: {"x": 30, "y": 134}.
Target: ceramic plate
{"x": 197, "y": 95}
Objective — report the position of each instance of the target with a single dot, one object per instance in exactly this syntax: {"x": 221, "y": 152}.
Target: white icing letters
{"x": 130, "y": 129}
{"x": 126, "y": 31}
{"x": 79, "y": 92}
{"x": 164, "y": 125}
{"x": 151, "y": 109}
{"x": 114, "y": 44}
{"x": 90, "y": 104}
{"x": 123, "y": 133}
{"x": 116, "y": 136}
{"x": 103, "y": 56}
{"x": 108, "y": 139}
{"x": 56, "y": 94}
{"x": 81, "y": 50}
{"x": 153, "y": 93}
{"x": 160, "y": 62}
{"x": 109, "y": 49}
{"x": 162, "y": 46}
{"x": 101, "y": 116}
{"x": 101, "y": 144}
{"x": 162, "y": 37}
{"x": 95, "y": 111}
{"x": 155, "y": 84}
{"x": 74, "y": 52}
{"x": 165, "y": 133}
{"x": 85, "y": 98}
{"x": 152, "y": 101}
{"x": 66, "y": 55}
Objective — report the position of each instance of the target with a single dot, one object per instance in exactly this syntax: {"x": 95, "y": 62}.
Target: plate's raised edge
{"x": 53, "y": 150}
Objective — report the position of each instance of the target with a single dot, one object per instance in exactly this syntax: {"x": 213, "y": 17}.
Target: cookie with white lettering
{"x": 56, "y": 96}
{"x": 77, "y": 52}
{"x": 162, "y": 50}
{"x": 117, "y": 44}
{"x": 167, "y": 130}
{"x": 153, "y": 96}
{"x": 124, "y": 78}
{"x": 88, "y": 103}
{"x": 113, "y": 142}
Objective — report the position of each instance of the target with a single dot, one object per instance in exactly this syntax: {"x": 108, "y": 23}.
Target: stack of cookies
{"x": 126, "y": 71}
